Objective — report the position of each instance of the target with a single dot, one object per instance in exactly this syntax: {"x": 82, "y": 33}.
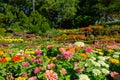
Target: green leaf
{"x": 2, "y": 78}
{"x": 67, "y": 77}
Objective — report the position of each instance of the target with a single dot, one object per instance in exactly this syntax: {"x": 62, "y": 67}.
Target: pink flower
{"x": 50, "y": 46}
{"x": 25, "y": 75}
{"x": 59, "y": 56}
{"x": 29, "y": 47}
{"x": 111, "y": 42}
{"x": 51, "y": 66}
{"x": 50, "y": 75}
{"x": 33, "y": 78}
{"x": 67, "y": 54}
{"x": 37, "y": 47}
{"x": 38, "y": 52}
{"x": 89, "y": 50}
{"x": 115, "y": 75}
{"x": 38, "y": 61}
{"x": 79, "y": 69}
{"x": 61, "y": 49}
{"x": 33, "y": 60}
{"x": 25, "y": 64}
{"x": 26, "y": 55}
{"x": 37, "y": 69}
{"x": 76, "y": 63}
{"x": 105, "y": 42}
{"x": 63, "y": 71}
{"x": 69, "y": 45}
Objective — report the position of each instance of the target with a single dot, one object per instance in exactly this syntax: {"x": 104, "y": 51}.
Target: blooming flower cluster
{"x": 59, "y": 62}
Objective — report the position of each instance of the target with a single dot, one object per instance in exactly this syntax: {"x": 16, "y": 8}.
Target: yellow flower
{"x": 32, "y": 52}
{"x": 115, "y": 61}
{"x": 8, "y": 58}
{"x": 27, "y": 52}
{"x": 47, "y": 59}
{"x": 54, "y": 58}
{"x": 21, "y": 78}
{"x": 110, "y": 50}
{"x": 1, "y": 52}
{"x": 99, "y": 49}
{"x": 101, "y": 53}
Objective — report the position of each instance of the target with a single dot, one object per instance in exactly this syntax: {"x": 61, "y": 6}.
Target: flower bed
{"x": 61, "y": 62}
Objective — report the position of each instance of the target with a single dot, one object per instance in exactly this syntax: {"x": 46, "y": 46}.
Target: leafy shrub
{"x": 45, "y": 26}
{"x": 2, "y": 31}
{"x": 52, "y": 33}
{"x": 112, "y": 23}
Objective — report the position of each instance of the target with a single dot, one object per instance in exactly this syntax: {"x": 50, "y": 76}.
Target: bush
{"x": 45, "y": 26}
{"x": 2, "y": 31}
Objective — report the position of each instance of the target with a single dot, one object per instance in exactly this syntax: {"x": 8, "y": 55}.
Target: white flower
{"x": 107, "y": 57}
{"x": 86, "y": 64}
{"x": 83, "y": 77}
{"x": 95, "y": 51}
{"x": 96, "y": 63}
{"x": 79, "y": 44}
{"x": 102, "y": 58}
{"x": 105, "y": 71}
{"x": 93, "y": 58}
{"x": 103, "y": 63}
{"x": 116, "y": 56}
{"x": 118, "y": 53}
{"x": 96, "y": 72}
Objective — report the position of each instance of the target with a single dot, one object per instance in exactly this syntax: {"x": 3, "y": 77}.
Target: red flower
{"x": 79, "y": 69}
{"x": 16, "y": 58}
{"x": 2, "y": 60}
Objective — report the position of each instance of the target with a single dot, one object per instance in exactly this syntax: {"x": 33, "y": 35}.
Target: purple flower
{"x": 59, "y": 56}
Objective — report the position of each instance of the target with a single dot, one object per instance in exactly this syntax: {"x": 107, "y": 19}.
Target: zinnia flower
{"x": 25, "y": 64}
{"x": 33, "y": 78}
{"x": 21, "y": 78}
{"x": 51, "y": 66}
{"x": 96, "y": 72}
{"x": 115, "y": 74}
{"x": 50, "y": 75}
{"x": 79, "y": 44}
{"x": 79, "y": 69}
{"x": 38, "y": 52}
{"x": 37, "y": 69}
{"x": 96, "y": 63}
{"x": 89, "y": 50}
{"x": 38, "y": 61}
{"x": 2, "y": 60}
{"x": 83, "y": 77}
{"x": 115, "y": 61}
{"x": 16, "y": 58}
{"x": 50, "y": 46}
{"x": 63, "y": 71}
{"x": 105, "y": 71}
{"x": 33, "y": 60}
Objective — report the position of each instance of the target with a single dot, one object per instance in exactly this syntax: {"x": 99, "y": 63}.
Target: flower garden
{"x": 84, "y": 58}
{"x": 59, "y": 39}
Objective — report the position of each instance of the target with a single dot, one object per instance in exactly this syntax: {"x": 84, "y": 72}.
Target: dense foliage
{"x": 37, "y": 16}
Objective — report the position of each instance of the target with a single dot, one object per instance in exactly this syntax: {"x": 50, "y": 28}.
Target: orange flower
{"x": 2, "y": 60}
{"x": 72, "y": 50}
{"x": 84, "y": 55}
{"x": 16, "y": 58}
